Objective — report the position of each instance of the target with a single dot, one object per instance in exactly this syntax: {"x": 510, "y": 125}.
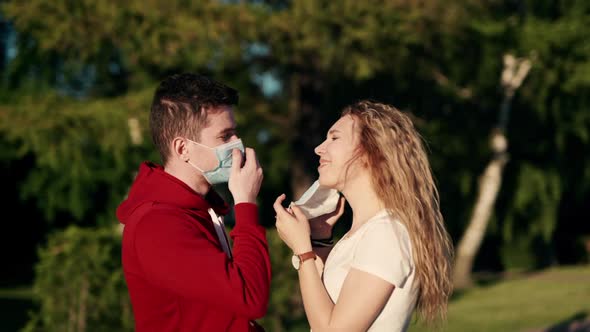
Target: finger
{"x": 255, "y": 158}
{"x": 236, "y": 160}
{"x": 260, "y": 173}
{"x": 278, "y": 205}
{"x": 250, "y": 158}
{"x": 298, "y": 213}
{"x": 279, "y": 201}
{"x": 341, "y": 204}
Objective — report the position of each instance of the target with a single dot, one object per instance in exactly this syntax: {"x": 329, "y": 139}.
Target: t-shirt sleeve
{"x": 384, "y": 250}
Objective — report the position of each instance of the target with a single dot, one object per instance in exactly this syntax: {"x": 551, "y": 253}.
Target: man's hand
{"x": 244, "y": 182}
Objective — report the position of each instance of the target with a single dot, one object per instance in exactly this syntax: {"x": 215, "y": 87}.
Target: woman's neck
{"x": 363, "y": 200}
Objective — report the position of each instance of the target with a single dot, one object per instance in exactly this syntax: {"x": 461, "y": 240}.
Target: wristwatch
{"x": 296, "y": 260}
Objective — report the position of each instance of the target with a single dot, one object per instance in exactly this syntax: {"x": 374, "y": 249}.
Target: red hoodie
{"x": 178, "y": 276}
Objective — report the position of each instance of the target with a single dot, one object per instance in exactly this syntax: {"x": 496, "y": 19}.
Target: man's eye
{"x": 335, "y": 138}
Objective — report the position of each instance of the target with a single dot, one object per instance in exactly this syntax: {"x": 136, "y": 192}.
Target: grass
{"x": 543, "y": 300}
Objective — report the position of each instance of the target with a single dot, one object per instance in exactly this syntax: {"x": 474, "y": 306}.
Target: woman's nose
{"x": 319, "y": 149}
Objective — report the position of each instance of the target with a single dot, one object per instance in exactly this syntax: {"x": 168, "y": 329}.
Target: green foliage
{"x": 130, "y": 42}
{"x": 80, "y": 285}
{"x": 551, "y": 116}
{"x": 285, "y": 309}
{"x": 83, "y": 153}
{"x": 441, "y": 61}
{"x": 528, "y": 229}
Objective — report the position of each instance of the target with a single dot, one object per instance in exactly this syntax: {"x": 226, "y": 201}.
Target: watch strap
{"x": 306, "y": 255}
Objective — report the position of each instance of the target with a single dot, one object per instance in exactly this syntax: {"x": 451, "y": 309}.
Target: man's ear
{"x": 179, "y": 148}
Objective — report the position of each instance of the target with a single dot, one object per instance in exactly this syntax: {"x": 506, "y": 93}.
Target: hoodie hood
{"x": 154, "y": 185}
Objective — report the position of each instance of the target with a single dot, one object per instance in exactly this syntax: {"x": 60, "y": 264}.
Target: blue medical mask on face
{"x": 221, "y": 173}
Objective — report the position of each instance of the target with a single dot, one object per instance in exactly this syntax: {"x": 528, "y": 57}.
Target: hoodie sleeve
{"x": 179, "y": 257}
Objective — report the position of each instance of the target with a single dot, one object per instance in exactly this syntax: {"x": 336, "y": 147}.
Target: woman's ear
{"x": 363, "y": 158}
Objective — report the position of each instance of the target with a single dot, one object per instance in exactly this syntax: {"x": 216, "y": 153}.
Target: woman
{"x": 396, "y": 255}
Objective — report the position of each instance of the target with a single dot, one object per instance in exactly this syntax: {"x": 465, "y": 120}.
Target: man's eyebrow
{"x": 227, "y": 130}
{"x": 332, "y": 131}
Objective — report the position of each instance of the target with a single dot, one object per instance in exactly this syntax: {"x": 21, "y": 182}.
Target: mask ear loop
{"x": 195, "y": 166}
{"x": 197, "y": 143}
{"x": 205, "y": 146}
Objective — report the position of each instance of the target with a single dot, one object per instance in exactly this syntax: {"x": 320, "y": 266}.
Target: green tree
{"x": 79, "y": 285}
{"x": 83, "y": 152}
{"x": 73, "y": 102}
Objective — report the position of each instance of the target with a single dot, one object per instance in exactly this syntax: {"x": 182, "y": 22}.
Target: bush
{"x": 79, "y": 283}
{"x": 285, "y": 309}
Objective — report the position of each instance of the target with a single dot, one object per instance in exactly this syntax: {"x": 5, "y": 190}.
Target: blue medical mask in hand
{"x": 221, "y": 173}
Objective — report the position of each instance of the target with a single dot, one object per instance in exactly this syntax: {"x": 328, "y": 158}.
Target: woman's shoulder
{"x": 384, "y": 249}
{"x": 385, "y": 222}
{"x": 387, "y": 232}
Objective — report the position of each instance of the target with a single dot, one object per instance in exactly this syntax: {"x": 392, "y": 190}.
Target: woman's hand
{"x": 293, "y": 228}
{"x": 321, "y": 227}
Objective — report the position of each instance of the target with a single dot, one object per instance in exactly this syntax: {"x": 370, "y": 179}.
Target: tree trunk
{"x": 515, "y": 71}
{"x": 489, "y": 186}
{"x": 82, "y": 309}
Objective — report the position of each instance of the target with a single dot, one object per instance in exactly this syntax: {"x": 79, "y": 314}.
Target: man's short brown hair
{"x": 180, "y": 105}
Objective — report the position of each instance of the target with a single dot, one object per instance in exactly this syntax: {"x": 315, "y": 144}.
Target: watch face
{"x": 295, "y": 261}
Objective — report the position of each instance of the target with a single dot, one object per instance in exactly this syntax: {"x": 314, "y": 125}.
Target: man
{"x": 181, "y": 271}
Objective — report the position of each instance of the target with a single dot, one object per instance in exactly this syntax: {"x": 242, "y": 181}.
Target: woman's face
{"x": 337, "y": 154}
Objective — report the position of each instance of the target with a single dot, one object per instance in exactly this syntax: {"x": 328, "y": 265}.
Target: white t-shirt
{"x": 381, "y": 247}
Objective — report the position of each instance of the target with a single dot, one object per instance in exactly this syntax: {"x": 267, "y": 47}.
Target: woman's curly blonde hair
{"x": 401, "y": 175}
